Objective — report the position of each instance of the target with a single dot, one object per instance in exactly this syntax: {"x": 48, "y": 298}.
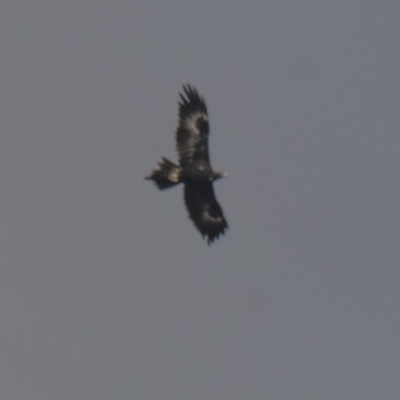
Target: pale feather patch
{"x": 190, "y": 125}
{"x": 173, "y": 176}
{"x": 190, "y": 122}
{"x": 207, "y": 217}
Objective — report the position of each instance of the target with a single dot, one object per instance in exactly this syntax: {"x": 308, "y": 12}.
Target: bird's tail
{"x": 167, "y": 175}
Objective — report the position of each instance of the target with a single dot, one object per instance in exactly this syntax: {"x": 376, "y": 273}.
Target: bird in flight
{"x": 194, "y": 168}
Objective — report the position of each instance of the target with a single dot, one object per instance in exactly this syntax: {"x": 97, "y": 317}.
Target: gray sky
{"x": 107, "y": 291}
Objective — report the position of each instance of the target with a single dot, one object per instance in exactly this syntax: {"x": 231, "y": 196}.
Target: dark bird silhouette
{"x": 194, "y": 169}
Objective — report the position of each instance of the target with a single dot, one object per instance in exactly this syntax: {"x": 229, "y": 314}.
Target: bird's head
{"x": 218, "y": 175}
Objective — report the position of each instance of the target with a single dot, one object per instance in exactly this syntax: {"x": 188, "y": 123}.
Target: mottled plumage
{"x": 194, "y": 169}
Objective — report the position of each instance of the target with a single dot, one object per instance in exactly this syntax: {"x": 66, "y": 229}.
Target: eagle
{"x": 194, "y": 168}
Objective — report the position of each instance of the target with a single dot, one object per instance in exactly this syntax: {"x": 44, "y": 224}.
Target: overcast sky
{"x": 107, "y": 291}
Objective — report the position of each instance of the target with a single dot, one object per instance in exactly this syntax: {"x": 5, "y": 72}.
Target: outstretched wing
{"x": 204, "y": 209}
{"x": 193, "y": 130}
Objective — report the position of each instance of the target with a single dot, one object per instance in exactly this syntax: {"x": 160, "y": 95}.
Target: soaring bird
{"x": 194, "y": 168}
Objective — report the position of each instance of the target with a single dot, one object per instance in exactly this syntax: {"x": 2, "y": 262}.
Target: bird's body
{"x": 194, "y": 169}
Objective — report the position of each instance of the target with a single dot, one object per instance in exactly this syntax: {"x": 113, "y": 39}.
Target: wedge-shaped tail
{"x": 167, "y": 175}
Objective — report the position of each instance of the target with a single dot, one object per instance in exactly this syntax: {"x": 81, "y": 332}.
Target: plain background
{"x": 107, "y": 291}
